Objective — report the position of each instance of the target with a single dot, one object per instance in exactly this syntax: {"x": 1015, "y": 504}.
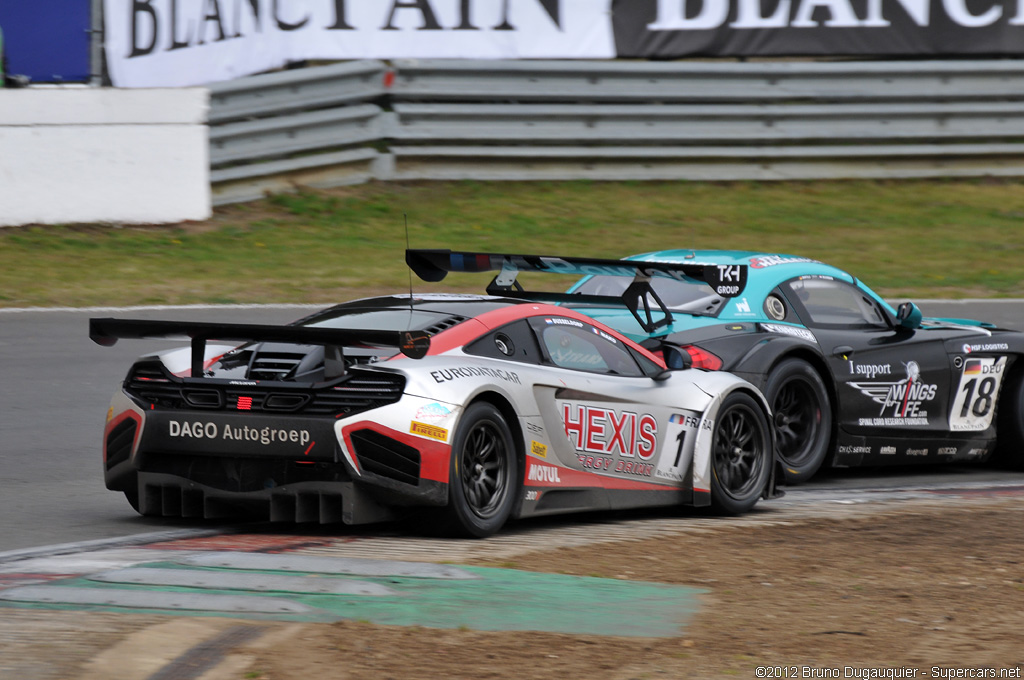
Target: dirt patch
{"x": 904, "y": 589}
{"x": 888, "y": 595}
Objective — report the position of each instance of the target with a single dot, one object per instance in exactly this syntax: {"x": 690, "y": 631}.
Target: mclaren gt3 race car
{"x": 851, "y": 381}
{"x": 480, "y": 407}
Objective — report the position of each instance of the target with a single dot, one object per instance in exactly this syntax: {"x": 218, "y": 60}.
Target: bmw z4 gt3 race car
{"x": 481, "y": 407}
{"x": 850, "y": 380}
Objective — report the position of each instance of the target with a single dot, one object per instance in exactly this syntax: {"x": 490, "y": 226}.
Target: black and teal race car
{"x": 851, "y": 380}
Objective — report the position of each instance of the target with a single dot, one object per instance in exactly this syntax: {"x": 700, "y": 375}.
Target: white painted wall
{"x": 76, "y": 154}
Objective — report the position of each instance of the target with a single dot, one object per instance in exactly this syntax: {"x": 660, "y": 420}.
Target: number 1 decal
{"x": 681, "y": 438}
{"x": 677, "y": 449}
{"x": 975, "y": 400}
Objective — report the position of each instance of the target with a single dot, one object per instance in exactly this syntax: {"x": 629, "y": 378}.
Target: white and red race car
{"x": 481, "y": 408}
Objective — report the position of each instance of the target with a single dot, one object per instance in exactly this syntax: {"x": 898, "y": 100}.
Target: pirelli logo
{"x": 538, "y": 449}
{"x": 432, "y": 431}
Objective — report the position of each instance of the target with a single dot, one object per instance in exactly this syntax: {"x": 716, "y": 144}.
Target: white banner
{"x": 169, "y": 43}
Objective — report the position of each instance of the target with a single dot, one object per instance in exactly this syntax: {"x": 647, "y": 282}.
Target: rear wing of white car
{"x": 107, "y": 331}
{"x": 725, "y": 280}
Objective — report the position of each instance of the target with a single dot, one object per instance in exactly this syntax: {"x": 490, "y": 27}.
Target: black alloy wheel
{"x": 802, "y": 418}
{"x": 741, "y": 455}
{"x": 482, "y": 472}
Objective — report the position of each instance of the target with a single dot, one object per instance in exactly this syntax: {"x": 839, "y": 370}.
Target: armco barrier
{"x": 525, "y": 120}
{"x": 313, "y": 126}
{"x": 442, "y": 80}
{"x": 297, "y": 90}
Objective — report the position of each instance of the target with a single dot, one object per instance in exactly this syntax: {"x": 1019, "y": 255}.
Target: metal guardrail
{"x": 297, "y": 90}
{"x": 711, "y": 124}
{"x": 281, "y": 136}
{"x": 311, "y": 126}
{"x": 441, "y": 80}
{"x": 615, "y": 120}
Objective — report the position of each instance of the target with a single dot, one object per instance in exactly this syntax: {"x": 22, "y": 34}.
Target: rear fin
{"x": 433, "y": 265}
{"x": 725, "y": 280}
{"x": 107, "y": 331}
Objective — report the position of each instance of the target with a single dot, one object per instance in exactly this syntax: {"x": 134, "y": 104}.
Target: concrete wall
{"x": 76, "y": 154}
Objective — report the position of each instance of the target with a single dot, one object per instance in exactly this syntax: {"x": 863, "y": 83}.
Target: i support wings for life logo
{"x": 901, "y": 400}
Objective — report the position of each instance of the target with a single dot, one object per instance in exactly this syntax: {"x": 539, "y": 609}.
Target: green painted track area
{"x": 315, "y": 589}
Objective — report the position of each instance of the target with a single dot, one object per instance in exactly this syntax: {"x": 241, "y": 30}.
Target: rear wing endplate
{"x": 725, "y": 280}
{"x": 107, "y": 331}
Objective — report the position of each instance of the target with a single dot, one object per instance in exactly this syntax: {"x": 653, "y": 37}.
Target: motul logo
{"x": 544, "y": 473}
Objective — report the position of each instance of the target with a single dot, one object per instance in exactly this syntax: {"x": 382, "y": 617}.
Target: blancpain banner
{"x": 168, "y": 43}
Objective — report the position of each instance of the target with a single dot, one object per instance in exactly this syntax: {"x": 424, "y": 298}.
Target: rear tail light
{"x": 702, "y": 358}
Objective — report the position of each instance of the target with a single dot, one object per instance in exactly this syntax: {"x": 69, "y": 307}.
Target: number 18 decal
{"x": 975, "y": 400}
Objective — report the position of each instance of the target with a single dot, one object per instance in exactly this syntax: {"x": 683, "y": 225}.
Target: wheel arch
{"x": 756, "y": 395}
{"x": 705, "y": 474}
{"x": 777, "y": 474}
{"x": 818, "y": 363}
{"x": 763, "y": 361}
{"x": 765, "y": 364}
{"x": 505, "y": 408}
{"x": 1009, "y": 430}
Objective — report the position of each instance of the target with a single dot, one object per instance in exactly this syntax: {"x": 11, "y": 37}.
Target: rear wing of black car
{"x": 107, "y": 331}
{"x": 725, "y": 280}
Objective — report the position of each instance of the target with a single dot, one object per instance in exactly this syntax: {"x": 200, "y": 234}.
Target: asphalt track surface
{"x": 56, "y": 386}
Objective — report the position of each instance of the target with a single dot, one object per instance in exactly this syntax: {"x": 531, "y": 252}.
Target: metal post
{"x": 96, "y": 44}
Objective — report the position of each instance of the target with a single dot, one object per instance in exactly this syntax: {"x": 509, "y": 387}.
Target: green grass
{"x": 906, "y": 239}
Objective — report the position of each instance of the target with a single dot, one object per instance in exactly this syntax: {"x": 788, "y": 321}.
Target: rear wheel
{"x": 741, "y": 455}
{"x": 482, "y": 473}
{"x": 1010, "y": 424}
{"x": 802, "y": 418}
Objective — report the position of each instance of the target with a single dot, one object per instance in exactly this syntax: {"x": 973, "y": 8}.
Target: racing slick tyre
{"x": 1010, "y": 424}
{"x": 482, "y": 473}
{"x": 802, "y": 418}
{"x": 741, "y": 455}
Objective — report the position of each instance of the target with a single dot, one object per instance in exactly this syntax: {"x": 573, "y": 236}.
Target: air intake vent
{"x": 285, "y": 402}
{"x": 358, "y": 391}
{"x": 151, "y": 385}
{"x": 362, "y": 390}
{"x": 149, "y": 372}
{"x": 203, "y": 398}
{"x": 274, "y": 365}
{"x": 119, "y": 442}
{"x": 386, "y": 457}
{"x": 444, "y": 324}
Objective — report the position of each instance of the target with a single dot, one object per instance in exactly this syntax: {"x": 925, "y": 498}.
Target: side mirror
{"x": 909, "y": 316}
{"x": 676, "y": 359}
